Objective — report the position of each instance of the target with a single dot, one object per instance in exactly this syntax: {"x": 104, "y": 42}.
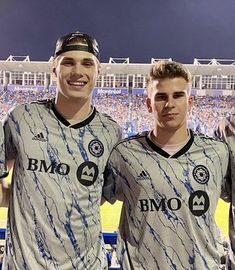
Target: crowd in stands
{"x": 130, "y": 111}
{"x": 9, "y": 99}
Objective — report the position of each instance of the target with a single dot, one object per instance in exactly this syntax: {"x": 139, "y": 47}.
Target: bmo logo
{"x": 86, "y": 173}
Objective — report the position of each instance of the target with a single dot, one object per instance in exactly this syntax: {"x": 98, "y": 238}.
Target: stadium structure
{"x": 120, "y": 75}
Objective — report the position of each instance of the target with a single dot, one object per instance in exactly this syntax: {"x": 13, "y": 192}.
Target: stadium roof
{"x": 212, "y": 67}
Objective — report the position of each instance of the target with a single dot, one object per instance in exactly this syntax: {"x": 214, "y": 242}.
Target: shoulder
{"x": 106, "y": 117}
{"x": 134, "y": 139}
{"x": 128, "y": 146}
{"x": 205, "y": 140}
{"x": 18, "y": 111}
{"x": 32, "y": 104}
{"x": 42, "y": 102}
{"x": 209, "y": 139}
{"x": 202, "y": 136}
{"x": 107, "y": 120}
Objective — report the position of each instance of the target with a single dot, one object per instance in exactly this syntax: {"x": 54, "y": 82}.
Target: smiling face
{"x": 76, "y": 73}
{"x": 169, "y": 102}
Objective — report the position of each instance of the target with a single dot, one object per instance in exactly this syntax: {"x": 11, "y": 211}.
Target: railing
{"x": 109, "y": 238}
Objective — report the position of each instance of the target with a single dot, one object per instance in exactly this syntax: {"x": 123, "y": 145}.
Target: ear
{"x": 99, "y": 68}
{"x": 54, "y": 65}
{"x": 53, "y": 74}
{"x": 148, "y": 104}
{"x": 54, "y": 70}
{"x": 190, "y": 103}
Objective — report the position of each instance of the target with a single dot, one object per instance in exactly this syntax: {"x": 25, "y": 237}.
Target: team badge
{"x": 87, "y": 173}
{"x": 199, "y": 203}
{"x": 201, "y": 174}
{"x": 96, "y": 148}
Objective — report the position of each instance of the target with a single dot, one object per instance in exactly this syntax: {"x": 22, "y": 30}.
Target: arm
{"x": 112, "y": 188}
{"x": 9, "y": 159}
{"x": 5, "y": 188}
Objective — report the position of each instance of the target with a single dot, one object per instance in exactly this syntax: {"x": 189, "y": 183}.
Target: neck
{"x": 167, "y": 137}
{"x": 73, "y": 109}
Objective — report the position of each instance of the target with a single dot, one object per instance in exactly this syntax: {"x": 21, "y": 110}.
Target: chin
{"x": 172, "y": 127}
{"x": 78, "y": 97}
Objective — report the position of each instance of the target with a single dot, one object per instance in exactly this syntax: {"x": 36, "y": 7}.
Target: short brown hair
{"x": 166, "y": 69}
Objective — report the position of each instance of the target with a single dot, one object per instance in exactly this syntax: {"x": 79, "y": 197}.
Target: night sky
{"x": 138, "y": 29}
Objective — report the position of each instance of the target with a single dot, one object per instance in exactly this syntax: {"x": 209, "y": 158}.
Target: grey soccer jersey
{"x": 169, "y": 202}
{"x": 226, "y": 131}
{"x": 54, "y": 211}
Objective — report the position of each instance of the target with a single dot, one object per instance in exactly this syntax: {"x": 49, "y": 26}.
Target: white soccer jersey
{"x": 54, "y": 211}
{"x": 169, "y": 202}
{"x": 226, "y": 131}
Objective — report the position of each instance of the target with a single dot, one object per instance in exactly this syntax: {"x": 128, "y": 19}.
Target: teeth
{"x": 77, "y": 83}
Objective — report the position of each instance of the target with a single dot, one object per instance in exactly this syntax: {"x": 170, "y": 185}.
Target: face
{"x": 76, "y": 74}
{"x": 169, "y": 102}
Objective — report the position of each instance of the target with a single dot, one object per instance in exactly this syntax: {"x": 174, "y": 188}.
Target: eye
{"x": 67, "y": 62}
{"x": 88, "y": 63}
{"x": 179, "y": 95}
{"x": 160, "y": 97}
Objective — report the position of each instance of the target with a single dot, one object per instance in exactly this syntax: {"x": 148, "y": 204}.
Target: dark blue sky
{"x": 138, "y": 29}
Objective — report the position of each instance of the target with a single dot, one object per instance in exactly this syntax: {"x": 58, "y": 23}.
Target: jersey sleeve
{"x": 112, "y": 189}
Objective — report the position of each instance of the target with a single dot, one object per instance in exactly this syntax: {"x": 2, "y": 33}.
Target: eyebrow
{"x": 179, "y": 92}
{"x": 74, "y": 59}
{"x": 176, "y": 92}
{"x": 88, "y": 59}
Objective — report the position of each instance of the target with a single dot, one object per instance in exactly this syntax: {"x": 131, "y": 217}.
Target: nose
{"x": 78, "y": 69}
{"x": 170, "y": 102}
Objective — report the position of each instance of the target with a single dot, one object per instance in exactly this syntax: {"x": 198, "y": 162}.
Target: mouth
{"x": 77, "y": 83}
{"x": 169, "y": 114}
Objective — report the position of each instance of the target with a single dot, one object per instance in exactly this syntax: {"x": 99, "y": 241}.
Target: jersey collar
{"x": 160, "y": 151}
{"x": 66, "y": 122}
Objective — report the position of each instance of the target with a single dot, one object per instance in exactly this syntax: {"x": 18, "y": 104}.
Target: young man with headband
{"x": 60, "y": 148}
{"x": 170, "y": 180}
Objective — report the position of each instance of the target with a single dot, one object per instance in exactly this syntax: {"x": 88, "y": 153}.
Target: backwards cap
{"x": 65, "y": 43}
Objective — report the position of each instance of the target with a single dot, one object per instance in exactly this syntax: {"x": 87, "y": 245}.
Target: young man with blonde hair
{"x": 170, "y": 180}
{"x": 60, "y": 148}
